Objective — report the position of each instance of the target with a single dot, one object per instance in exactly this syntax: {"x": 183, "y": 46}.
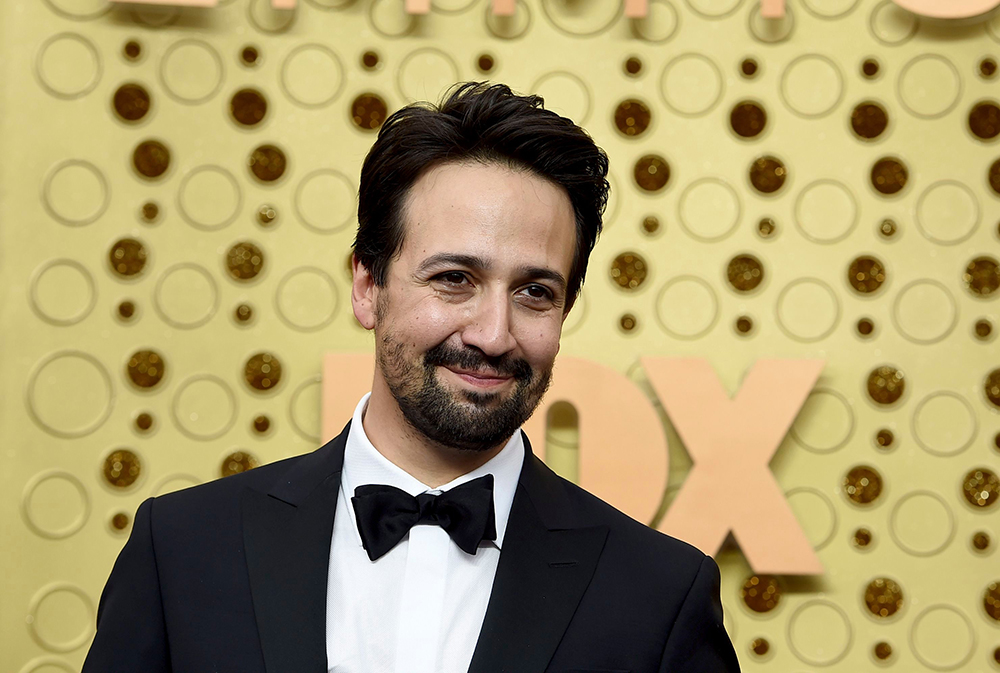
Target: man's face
{"x": 467, "y": 325}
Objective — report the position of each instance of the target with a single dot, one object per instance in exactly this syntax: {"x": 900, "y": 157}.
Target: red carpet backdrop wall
{"x": 798, "y": 277}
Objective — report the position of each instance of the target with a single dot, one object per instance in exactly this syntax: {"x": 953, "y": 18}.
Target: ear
{"x": 363, "y": 293}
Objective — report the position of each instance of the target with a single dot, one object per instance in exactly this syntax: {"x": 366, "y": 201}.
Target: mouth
{"x": 479, "y": 379}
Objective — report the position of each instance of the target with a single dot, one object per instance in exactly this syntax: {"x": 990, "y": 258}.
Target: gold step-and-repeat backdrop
{"x": 178, "y": 201}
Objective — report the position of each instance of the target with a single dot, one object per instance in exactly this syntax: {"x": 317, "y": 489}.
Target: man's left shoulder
{"x": 626, "y": 536}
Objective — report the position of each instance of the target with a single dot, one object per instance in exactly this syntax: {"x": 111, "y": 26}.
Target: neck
{"x": 429, "y": 462}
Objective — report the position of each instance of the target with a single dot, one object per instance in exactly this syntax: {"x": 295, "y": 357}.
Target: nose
{"x": 489, "y": 327}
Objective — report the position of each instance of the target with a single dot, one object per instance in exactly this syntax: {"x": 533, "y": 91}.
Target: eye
{"x": 538, "y": 292}
{"x": 452, "y": 277}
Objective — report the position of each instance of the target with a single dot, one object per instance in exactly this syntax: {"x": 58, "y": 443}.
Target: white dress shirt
{"x": 420, "y": 607}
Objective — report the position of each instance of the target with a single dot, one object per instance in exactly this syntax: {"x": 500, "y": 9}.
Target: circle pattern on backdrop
{"x": 304, "y": 409}
{"x": 942, "y": 637}
{"x": 62, "y": 292}
{"x": 687, "y": 307}
{"x": 925, "y": 311}
{"x": 660, "y": 23}
{"x": 825, "y": 423}
{"x": 947, "y": 212}
{"x": 425, "y": 74}
{"x": 581, "y": 18}
{"x": 306, "y": 299}
{"x": 929, "y": 86}
{"x": 691, "y": 85}
{"x": 204, "y": 407}
{"x": 808, "y": 310}
{"x": 75, "y": 192}
{"x": 60, "y": 617}
{"x": 709, "y": 209}
{"x": 312, "y": 76}
{"x": 55, "y": 504}
{"x": 819, "y": 632}
{"x": 565, "y": 94}
{"x": 186, "y": 296}
{"x": 68, "y": 66}
{"x": 209, "y": 197}
{"x": 191, "y": 71}
{"x": 70, "y": 394}
{"x": 921, "y": 523}
{"x": 325, "y": 201}
{"x": 812, "y": 86}
{"x": 826, "y": 211}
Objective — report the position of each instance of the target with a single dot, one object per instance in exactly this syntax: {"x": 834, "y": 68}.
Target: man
{"x": 427, "y": 537}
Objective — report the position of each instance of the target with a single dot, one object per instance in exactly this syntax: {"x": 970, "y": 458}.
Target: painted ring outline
{"x": 968, "y": 625}
{"x": 812, "y": 281}
{"x": 894, "y": 512}
{"x": 288, "y": 276}
{"x": 284, "y": 67}
{"x": 215, "y": 57}
{"x": 843, "y": 615}
{"x": 209, "y": 168}
{"x": 699, "y": 281}
{"x": 66, "y": 531}
{"x": 86, "y": 430}
{"x": 36, "y": 601}
{"x": 229, "y": 394}
{"x": 47, "y": 185}
{"x": 33, "y": 291}
{"x": 99, "y": 70}
{"x": 895, "y": 311}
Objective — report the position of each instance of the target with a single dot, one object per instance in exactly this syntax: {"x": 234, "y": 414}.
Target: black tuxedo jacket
{"x": 231, "y": 576}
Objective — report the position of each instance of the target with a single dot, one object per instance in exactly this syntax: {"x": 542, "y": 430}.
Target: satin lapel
{"x": 545, "y": 566}
{"x": 287, "y": 534}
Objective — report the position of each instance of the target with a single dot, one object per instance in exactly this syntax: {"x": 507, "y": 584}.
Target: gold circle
{"x": 122, "y": 468}
{"x": 243, "y": 313}
{"x": 869, "y": 120}
{"x": 652, "y": 172}
{"x": 368, "y": 111}
{"x": 883, "y": 597}
{"x": 651, "y": 224}
{"x": 748, "y": 119}
{"x": 627, "y": 322}
{"x": 266, "y": 215}
{"x": 150, "y": 211}
{"x": 144, "y": 422}
{"x": 236, "y": 462}
{"x": 882, "y": 650}
{"x": 131, "y": 102}
{"x": 262, "y": 371}
{"x": 745, "y": 273}
{"x": 267, "y": 163}
{"x": 981, "y": 540}
{"x": 886, "y": 385}
{"x": 993, "y": 176}
{"x": 983, "y": 328}
{"x": 862, "y": 484}
{"x": 244, "y": 261}
{"x": 870, "y": 68}
{"x": 766, "y": 227}
{"x": 761, "y": 593}
{"x": 984, "y": 120}
{"x": 991, "y": 601}
{"x": 982, "y": 276}
{"x": 992, "y": 387}
{"x": 370, "y": 60}
{"x": 248, "y": 107}
{"x": 632, "y": 66}
{"x": 887, "y": 228}
{"x": 485, "y": 63}
{"x": 748, "y": 67}
{"x": 744, "y": 324}
{"x": 261, "y": 424}
{"x": 632, "y": 117}
{"x": 760, "y": 646}
{"x": 987, "y": 68}
{"x": 249, "y": 56}
{"x": 151, "y": 158}
{"x": 132, "y": 50}
{"x": 866, "y": 327}
{"x": 866, "y": 274}
{"x": 889, "y": 176}
{"x": 126, "y": 310}
{"x": 127, "y": 257}
{"x": 981, "y": 488}
{"x": 119, "y": 521}
{"x": 146, "y": 368}
{"x": 862, "y": 537}
{"x": 767, "y": 174}
{"x": 628, "y": 270}
{"x": 884, "y": 439}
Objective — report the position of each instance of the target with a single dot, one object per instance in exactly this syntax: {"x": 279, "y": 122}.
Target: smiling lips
{"x": 478, "y": 379}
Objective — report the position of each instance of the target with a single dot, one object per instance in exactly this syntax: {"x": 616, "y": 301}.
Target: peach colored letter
{"x": 623, "y": 448}
{"x": 346, "y": 377}
{"x": 636, "y": 9}
{"x": 948, "y": 9}
{"x": 731, "y": 441}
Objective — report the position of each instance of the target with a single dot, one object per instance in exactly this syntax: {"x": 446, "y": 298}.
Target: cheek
{"x": 540, "y": 342}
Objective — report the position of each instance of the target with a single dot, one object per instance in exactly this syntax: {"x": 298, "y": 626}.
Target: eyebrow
{"x": 477, "y": 262}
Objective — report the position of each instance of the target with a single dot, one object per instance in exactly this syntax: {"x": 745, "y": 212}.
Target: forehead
{"x": 506, "y": 215}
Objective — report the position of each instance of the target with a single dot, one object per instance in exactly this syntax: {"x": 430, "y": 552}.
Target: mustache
{"x": 474, "y": 359}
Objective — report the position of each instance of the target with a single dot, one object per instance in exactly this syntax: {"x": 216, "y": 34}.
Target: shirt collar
{"x": 363, "y": 464}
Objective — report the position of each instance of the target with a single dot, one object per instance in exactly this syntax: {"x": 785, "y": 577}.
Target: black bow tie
{"x": 386, "y": 514}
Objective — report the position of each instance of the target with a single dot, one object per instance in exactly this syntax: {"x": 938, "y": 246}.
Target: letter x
{"x": 731, "y": 441}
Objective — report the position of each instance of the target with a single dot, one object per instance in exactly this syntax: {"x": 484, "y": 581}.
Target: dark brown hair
{"x": 489, "y": 124}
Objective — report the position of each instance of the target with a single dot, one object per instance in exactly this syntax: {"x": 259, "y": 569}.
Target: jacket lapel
{"x": 287, "y": 534}
{"x": 546, "y": 564}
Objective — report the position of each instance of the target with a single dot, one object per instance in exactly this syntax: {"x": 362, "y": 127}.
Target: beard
{"x": 466, "y": 420}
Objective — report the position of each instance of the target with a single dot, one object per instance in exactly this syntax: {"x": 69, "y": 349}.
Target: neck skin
{"x": 428, "y": 461}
